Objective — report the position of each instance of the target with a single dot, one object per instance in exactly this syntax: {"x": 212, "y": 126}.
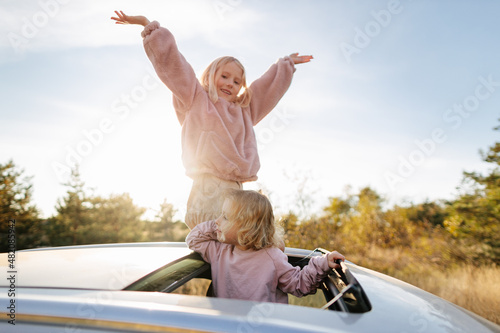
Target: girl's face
{"x": 226, "y": 229}
{"x": 228, "y": 81}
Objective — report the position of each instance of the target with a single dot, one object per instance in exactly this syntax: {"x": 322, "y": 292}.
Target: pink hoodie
{"x": 216, "y": 138}
{"x": 264, "y": 275}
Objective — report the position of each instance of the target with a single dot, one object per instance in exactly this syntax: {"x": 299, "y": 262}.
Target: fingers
{"x": 304, "y": 59}
{"x": 337, "y": 255}
{"x": 333, "y": 259}
{"x": 121, "y": 19}
{"x": 300, "y": 59}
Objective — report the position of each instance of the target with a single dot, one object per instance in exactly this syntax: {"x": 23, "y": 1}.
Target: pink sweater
{"x": 216, "y": 138}
{"x": 264, "y": 275}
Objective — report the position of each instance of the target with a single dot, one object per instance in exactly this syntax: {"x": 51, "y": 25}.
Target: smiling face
{"x": 228, "y": 79}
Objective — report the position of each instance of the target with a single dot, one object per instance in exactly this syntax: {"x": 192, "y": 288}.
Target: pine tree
{"x": 475, "y": 216}
{"x": 19, "y": 218}
{"x": 71, "y": 225}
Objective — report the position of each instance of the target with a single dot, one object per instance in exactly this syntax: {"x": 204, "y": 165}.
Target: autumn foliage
{"x": 442, "y": 246}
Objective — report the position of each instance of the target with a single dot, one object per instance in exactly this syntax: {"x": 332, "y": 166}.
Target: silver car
{"x": 165, "y": 287}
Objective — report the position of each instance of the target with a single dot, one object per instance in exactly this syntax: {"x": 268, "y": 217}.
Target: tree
{"x": 88, "y": 219}
{"x": 71, "y": 225}
{"x": 17, "y": 212}
{"x": 427, "y": 213}
{"x": 474, "y": 217}
{"x": 166, "y": 228}
{"x": 360, "y": 216}
{"x": 114, "y": 220}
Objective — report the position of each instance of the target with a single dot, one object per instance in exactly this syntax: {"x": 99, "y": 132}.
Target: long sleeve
{"x": 217, "y": 138}
{"x": 203, "y": 239}
{"x": 171, "y": 67}
{"x": 270, "y": 88}
{"x": 302, "y": 282}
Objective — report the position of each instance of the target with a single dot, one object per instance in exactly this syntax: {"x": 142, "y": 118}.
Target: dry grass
{"x": 476, "y": 289}
{"x": 196, "y": 287}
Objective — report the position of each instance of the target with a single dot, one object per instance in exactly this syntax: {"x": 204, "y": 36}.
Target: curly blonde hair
{"x": 252, "y": 212}
{"x": 207, "y": 80}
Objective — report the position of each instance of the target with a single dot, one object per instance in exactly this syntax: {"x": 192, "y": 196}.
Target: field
{"x": 473, "y": 288}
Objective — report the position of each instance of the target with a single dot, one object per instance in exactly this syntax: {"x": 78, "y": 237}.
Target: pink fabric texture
{"x": 216, "y": 138}
{"x": 264, "y": 275}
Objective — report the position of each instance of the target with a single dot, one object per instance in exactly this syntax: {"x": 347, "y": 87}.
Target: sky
{"x": 400, "y": 96}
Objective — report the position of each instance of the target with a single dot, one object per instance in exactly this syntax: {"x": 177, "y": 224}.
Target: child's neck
{"x": 239, "y": 247}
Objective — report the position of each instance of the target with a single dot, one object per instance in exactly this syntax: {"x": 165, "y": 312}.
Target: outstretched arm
{"x": 300, "y": 59}
{"x": 300, "y": 282}
{"x": 169, "y": 64}
{"x": 272, "y": 85}
{"x": 126, "y": 19}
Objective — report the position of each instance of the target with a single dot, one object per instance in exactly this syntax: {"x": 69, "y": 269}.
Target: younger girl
{"x": 217, "y": 114}
{"x": 241, "y": 246}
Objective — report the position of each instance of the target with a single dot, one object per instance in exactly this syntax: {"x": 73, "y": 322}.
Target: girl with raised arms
{"x": 217, "y": 114}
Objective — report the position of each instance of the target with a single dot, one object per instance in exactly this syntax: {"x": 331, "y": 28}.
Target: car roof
{"x": 42, "y": 273}
{"x": 129, "y": 311}
{"x": 89, "y": 266}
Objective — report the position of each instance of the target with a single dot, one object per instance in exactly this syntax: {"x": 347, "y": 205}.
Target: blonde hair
{"x": 253, "y": 214}
{"x": 207, "y": 80}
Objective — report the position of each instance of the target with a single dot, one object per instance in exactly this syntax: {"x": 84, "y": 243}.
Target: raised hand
{"x": 126, "y": 19}
{"x": 300, "y": 59}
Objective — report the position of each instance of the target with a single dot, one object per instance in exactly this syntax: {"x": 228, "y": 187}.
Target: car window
{"x": 196, "y": 287}
{"x": 191, "y": 275}
{"x": 170, "y": 277}
{"x": 340, "y": 287}
{"x": 316, "y": 300}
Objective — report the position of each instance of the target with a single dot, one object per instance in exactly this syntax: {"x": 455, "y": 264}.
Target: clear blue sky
{"x": 401, "y": 95}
